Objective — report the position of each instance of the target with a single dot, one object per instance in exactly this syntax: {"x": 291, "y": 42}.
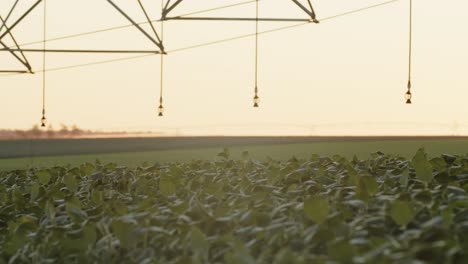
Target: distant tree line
{"x": 37, "y": 133}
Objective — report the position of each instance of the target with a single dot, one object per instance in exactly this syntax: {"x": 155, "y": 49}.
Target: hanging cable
{"x": 43, "y": 119}
{"x": 408, "y": 94}
{"x": 256, "y": 99}
{"x": 161, "y": 84}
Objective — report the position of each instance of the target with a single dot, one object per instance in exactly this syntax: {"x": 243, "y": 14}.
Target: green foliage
{"x": 166, "y": 186}
{"x": 401, "y": 212}
{"x": 43, "y": 177}
{"x": 384, "y": 209}
{"x": 317, "y": 209}
{"x": 422, "y": 166}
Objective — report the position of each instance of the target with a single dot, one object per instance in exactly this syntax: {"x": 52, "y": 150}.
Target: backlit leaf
{"x": 422, "y": 166}
{"x": 70, "y": 181}
{"x": 317, "y": 209}
{"x": 401, "y": 212}
{"x": 43, "y": 176}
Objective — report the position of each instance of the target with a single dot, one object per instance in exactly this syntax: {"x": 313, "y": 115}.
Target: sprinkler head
{"x": 256, "y": 100}
{"x": 43, "y": 121}
{"x": 408, "y": 97}
{"x": 160, "y": 110}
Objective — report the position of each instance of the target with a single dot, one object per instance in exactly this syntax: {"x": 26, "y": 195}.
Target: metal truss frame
{"x": 155, "y": 39}
{"x": 153, "y": 36}
{"x": 309, "y": 10}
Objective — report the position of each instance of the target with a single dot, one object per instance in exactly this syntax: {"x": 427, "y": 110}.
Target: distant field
{"x": 134, "y": 151}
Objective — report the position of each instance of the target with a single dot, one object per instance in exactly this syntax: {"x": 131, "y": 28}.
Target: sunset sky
{"x": 344, "y": 76}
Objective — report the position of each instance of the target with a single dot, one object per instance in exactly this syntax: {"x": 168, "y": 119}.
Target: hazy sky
{"x": 343, "y": 76}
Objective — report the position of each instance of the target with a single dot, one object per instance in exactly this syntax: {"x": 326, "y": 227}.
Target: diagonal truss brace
{"x": 168, "y": 8}
{"x": 23, "y": 60}
{"x": 308, "y": 10}
{"x": 20, "y": 19}
{"x": 156, "y": 41}
{"x": 9, "y": 14}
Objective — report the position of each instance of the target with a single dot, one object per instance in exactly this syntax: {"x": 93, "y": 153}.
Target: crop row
{"x": 385, "y": 209}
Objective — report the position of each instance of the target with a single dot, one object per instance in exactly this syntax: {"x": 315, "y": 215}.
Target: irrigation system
{"x": 157, "y": 37}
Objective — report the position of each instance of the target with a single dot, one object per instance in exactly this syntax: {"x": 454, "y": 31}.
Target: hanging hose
{"x": 408, "y": 94}
{"x": 43, "y": 119}
{"x": 161, "y": 84}
{"x": 256, "y": 99}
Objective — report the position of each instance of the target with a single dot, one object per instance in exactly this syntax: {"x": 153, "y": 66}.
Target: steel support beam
{"x": 14, "y": 71}
{"x": 83, "y": 51}
{"x": 241, "y": 19}
{"x": 310, "y": 12}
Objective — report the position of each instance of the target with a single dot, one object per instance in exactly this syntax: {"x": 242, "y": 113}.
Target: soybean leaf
{"x": 317, "y": 209}
{"x": 198, "y": 241}
{"x": 401, "y": 212}
{"x": 70, "y": 181}
{"x": 422, "y": 166}
{"x": 166, "y": 186}
{"x": 43, "y": 176}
